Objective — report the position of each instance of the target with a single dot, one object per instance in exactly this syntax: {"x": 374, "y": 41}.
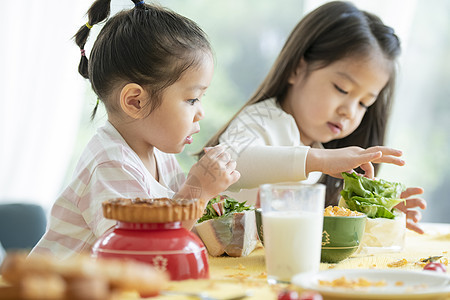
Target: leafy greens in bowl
{"x": 385, "y": 226}
{"x": 228, "y": 227}
{"x": 222, "y": 206}
{"x": 374, "y": 197}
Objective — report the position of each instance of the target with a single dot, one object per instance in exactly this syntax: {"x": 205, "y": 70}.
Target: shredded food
{"x": 336, "y": 211}
{"x": 423, "y": 261}
{"x": 343, "y": 282}
{"x": 399, "y": 263}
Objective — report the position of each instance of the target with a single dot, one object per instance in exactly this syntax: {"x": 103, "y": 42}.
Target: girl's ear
{"x": 132, "y": 100}
{"x": 299, "y": 72}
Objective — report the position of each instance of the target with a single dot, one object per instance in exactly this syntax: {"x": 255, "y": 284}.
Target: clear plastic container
{"x": 384, "y": 235}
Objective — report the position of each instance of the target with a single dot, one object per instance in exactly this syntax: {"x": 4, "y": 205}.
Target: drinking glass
{"x": 292, "y": 218}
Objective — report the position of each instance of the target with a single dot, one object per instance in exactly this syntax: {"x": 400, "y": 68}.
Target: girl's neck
{"x": 151, "y": 164}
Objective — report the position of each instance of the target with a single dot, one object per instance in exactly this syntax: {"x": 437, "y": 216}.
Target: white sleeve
{"x": 270, "y": 164}
{"x": 265, "y": 143}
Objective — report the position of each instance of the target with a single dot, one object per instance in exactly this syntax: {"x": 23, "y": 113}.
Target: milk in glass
{"x": 292, "y": 242}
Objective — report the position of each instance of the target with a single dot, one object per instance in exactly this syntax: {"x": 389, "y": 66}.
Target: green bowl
{"x": 259, "y": 227}
{"x": 341, "y": 237}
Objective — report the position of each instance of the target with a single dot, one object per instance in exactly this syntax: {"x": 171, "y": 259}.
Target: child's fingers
{"x": 413, "y": 215}
{"x": 412, "y": 203}
{"x": 214, "y": 151}
{"x": 386, "y": 150}
{"x": 412, "y": 191}
{"x": 231, "y": 165}
{"x": 235, "y": 175}
{"x": 390, "y": 159}
{"x": 388, "y": 155}
{"x": 414, "y": 227}
{"x": 368, "y": 169}
{"x": 224, "y": 157}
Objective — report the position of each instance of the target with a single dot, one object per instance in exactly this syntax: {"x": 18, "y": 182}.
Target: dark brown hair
{"x": 334, "y": 31}
{"x": 148, "y": 45}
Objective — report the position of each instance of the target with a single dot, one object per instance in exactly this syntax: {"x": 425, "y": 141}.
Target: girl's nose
{"x": 348, "y": 109}
{"x": 200, "y": 114}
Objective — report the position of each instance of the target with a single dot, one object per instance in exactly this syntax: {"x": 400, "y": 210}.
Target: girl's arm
{"x": 265, "y": 142}
{"x": 270, "y": 164}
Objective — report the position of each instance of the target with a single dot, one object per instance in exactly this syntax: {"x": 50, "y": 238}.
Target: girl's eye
{"x": 340, "y": 90}
{"x": 192, "y": 101}
{"x": 363, "y": 105}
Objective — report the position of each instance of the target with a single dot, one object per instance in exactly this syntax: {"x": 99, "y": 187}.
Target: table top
{"x": 230, "y": 276}
{"x": 233, "y": 275}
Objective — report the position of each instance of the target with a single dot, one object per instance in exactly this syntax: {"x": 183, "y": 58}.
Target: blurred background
{"x": 45, "y": 105}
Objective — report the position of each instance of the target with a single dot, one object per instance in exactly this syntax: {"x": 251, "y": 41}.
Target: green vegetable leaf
{"x": 376, "y": 198}
{"x": 230, "y": 206}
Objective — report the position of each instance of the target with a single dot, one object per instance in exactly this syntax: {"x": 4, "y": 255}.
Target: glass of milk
{"x": 292, "y": 218}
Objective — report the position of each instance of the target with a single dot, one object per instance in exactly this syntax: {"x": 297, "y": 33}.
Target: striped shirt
{"x": 108, "y": 169}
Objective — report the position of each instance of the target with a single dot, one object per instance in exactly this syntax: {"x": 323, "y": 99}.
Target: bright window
{"x": 45, "y": 104}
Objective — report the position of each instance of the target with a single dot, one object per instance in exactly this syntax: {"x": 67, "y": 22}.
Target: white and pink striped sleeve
{"x": 110, "y": 180}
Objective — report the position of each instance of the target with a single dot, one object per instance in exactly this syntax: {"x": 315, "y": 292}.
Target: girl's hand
{"x": 211, "y": 175}
{"x": 412, "y": 215}
{"x": 335, "y": 161}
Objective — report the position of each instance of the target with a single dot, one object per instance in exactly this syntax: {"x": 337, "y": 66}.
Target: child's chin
{"x": 325, "y": 140}
{"x": 173, "y": 150}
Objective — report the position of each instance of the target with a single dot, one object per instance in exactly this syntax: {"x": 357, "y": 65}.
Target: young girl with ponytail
{"x": 150, "y": 68}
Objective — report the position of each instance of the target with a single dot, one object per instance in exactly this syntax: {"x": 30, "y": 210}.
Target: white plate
{"x": 416, "y": 284}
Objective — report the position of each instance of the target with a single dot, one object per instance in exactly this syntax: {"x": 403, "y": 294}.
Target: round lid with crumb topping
{"x": 153, "y": 210}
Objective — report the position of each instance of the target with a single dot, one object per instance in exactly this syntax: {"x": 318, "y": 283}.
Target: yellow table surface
{"x": 234, "y": 275}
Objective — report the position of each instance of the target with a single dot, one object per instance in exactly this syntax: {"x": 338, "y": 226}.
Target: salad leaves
{"x": 376, "y": 198}
{"x": 222, "y": 206}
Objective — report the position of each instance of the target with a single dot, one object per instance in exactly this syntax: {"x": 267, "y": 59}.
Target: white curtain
{"x": 41, "y": 96}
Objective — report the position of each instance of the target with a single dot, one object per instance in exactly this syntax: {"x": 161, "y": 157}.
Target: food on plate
{"x": 385, "y": 226}
{"x": 336, "y": 211}
{"x": 435, "y": 266}
{"x": 81, "y": 277}
{"x": 343, "y": 282}
{"x": 157, "y": 210}
{"x": 228, "y": 227}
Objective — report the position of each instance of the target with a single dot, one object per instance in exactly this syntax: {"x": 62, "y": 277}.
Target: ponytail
{"x": 139, "y": 3}
{"x": 98, "y": 12}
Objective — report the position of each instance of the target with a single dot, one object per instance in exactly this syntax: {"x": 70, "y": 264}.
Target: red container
{"x": 166, "y": 246}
